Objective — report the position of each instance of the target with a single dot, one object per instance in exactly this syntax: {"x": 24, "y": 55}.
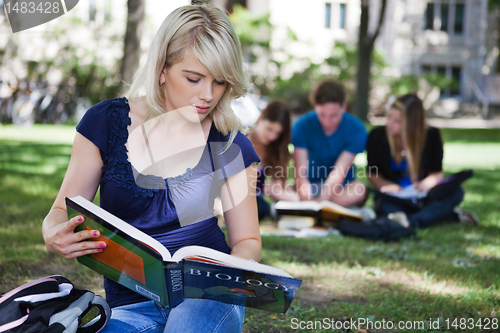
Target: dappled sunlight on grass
{"x": 448, "y": 270}
{"x": 465, "y": 155}
{"x": 490, "y": 251}
{"x": 16, "y": 252}
{"x": 39, "y": 133}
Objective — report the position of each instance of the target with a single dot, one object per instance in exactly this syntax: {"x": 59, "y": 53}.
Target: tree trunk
{"x": 221, "y": 3}
{"x": 365, "y": 48}
{"x": 498, "y": 41}
{"x": 132, "y": 41}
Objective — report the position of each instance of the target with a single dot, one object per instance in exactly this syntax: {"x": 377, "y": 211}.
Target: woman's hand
{"x": 391, "y": 188}
{"x": 63, "y": 240}
{"x": 429, "y": 182}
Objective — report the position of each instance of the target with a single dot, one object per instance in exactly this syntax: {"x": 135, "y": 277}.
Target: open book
{"x": 321, "y": 211}
{"x": 142, "y": 264}
{"x": 415, "y": 199}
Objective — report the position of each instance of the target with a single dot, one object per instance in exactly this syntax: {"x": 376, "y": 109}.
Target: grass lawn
{"x": 446, "y": 272}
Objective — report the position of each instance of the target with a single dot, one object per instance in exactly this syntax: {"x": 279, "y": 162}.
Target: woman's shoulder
{"x": 96, "y": 119}
{"x": 378, "y": 132}
{"x": 104, "y": 108}
{"x": 109, "y": 103}
{"x": 433, "y": 131}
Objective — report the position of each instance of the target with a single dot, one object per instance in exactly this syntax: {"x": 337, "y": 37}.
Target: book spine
{"x": 175, "y": 283}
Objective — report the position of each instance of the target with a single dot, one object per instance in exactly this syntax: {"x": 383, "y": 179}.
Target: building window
{"x": 342, "y": 16}
{"x": 445, "y": 10}
{"x": 429, "y": 16}
{"x": 447, "y": 13}
{"x": 92, "y": 10}
{"x": 456, "y": 76}
{"x": 328, "y": 15}
{"x": 458, "y": 25}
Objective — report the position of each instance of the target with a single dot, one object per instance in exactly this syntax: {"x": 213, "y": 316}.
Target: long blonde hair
{"x": 414, "y": 132}
{"x": 208, "y": 34}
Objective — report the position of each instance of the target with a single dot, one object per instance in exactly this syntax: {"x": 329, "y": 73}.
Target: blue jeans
{"x": 192, "y": 315}
{"x": 431, "y": 213}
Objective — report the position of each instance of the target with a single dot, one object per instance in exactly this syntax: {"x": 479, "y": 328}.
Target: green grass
{"x": 445, "y": 272}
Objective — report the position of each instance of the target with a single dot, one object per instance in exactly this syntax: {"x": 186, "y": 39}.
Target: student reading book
{"x": 141, "y": 263}
{"x": 160, "y": 156}
{"x": 321, "y": 211}
{"x": 407, "y": 152}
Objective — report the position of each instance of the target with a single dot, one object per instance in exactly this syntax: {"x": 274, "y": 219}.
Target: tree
{"x": 132, "y": 40}
{"x": 492, "y": 5}
{"x": 365, "y": 50}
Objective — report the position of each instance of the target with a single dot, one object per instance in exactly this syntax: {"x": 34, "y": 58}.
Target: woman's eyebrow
{"x": 193, "y": 72}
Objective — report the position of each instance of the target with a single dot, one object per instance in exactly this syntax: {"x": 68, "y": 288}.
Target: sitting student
{"x": 164, "y": 181}
{"x": 406, "y": 152}
{"x": 326, "y": 141}
{"x": 270, "y": 137}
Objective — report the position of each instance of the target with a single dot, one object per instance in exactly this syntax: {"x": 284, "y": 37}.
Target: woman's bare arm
{"x": 82, "y": 178}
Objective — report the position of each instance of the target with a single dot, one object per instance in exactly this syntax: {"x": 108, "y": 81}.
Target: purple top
{"x": 156, "y": 205}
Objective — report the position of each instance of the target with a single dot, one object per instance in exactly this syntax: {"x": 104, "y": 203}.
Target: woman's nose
{"x": 206, "y": 93}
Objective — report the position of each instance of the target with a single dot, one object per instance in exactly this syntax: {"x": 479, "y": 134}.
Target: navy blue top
{"x": 378, "y": 154}
{"x": 404, "y": 180}
{"x": 161, "y": 207}
{"x": 323, "y": 151}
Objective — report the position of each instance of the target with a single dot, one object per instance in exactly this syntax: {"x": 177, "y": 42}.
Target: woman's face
{"x": 394, "y": 122}
{"x": 267, "y": 131}
{"x": 188, "y": 83}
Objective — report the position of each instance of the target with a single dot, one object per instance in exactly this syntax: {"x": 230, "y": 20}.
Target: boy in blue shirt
{"x": 326, "y": 141}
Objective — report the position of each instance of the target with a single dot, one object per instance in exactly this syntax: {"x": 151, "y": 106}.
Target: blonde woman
{"x": 406, "y": 152}
{"x": 173, "y": 144}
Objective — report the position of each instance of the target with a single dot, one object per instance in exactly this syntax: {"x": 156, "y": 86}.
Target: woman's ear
{"x": 163, "y": 74}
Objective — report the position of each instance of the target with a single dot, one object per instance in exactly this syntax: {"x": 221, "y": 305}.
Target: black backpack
{"x": 50, "y": 305}
{"x": 379, "y": 229}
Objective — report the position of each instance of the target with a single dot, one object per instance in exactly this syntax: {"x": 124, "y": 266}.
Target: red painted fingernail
{"x": 80, "y": 219}
{"x": 99, "y": 250}
{"x": 102, "y": 244}
{"x": 96, "y": 233}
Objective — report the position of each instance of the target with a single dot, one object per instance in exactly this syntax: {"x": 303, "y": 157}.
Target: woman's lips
{"x": 202, "y": 109}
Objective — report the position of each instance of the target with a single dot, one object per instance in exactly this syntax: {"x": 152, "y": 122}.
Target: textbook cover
{"x": 142, "y": 264}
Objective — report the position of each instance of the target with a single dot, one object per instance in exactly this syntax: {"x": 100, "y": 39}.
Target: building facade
{"x": 455, "y": 38}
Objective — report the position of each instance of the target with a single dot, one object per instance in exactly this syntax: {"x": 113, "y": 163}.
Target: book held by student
{"x": 141, "y": 263}
{"x": 321, "y": 211}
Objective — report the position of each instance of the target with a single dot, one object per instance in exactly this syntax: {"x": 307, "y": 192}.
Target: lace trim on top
{"x": 119, "y": 169}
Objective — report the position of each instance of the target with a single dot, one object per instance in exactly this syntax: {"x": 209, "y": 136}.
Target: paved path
{"x": 452, "y": 123}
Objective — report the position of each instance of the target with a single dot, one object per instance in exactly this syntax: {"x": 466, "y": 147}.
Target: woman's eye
{"x": 220, "y": 83}
{"x": 193, "y": 81}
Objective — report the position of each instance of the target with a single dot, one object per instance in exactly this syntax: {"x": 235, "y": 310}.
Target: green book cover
{"x": 142, "y": 264}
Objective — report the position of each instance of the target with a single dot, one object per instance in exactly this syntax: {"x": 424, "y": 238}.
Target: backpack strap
{"x": 13, "y": 324}
{"x": 99, "y": 322}
{"x": 54, "y": 301}
{"x": 12, "y": 315}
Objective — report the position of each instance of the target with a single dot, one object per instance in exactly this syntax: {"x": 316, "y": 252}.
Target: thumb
{"x": 75, "y": 221}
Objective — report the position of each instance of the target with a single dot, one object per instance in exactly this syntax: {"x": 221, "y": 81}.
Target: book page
{"x": 339, "y": 209}
{"x": 194, "y": 252}
{"x": 409, "y": 192}
{"x": 298, "y": 205}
